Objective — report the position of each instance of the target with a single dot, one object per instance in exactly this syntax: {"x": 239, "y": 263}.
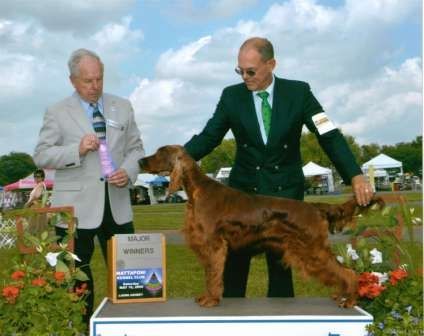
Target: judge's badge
{"x": 322, "y": 123}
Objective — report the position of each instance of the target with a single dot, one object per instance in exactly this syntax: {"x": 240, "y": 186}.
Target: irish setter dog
{"x": 219, "y": 218}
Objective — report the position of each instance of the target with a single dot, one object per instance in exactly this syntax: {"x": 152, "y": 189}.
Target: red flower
{"x": 81, "y": 290}
{"x": 38, "y": 282}
{"x": 59, "y": 276}
{"x": 397, "y": 275}
{"x": 17, "y": 275}
{"x": 11, "y": 293}
{"x": 368, "y": 285}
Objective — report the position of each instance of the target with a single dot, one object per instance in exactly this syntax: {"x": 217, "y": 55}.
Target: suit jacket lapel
{"x": 77, "y": 113}
{"x": 249, "y": 118}
{"x": 280, "y": 119}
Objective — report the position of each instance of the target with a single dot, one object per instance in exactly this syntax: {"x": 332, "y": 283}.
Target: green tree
{"x": 369, "y": 151}
{"x": 14, "y": 166}
{"x": 409, "y": 153}
{"x": 221, "y": 156}
{"x": 312, "y": 151}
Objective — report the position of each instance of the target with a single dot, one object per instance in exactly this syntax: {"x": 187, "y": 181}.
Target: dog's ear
{"x": 176, "y": 177}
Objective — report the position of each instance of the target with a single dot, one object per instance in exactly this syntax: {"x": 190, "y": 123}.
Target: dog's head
{"x": 168, "y": 160}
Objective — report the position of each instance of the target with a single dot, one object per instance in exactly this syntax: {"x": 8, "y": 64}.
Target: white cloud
{"x": 326, "y": 46}
{"x": 79, "y": 16}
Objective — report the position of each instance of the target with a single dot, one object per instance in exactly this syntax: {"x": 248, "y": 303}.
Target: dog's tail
{"x": 342, "y": 215}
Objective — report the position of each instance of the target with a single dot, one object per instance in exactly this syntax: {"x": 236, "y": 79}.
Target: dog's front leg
{"x": 216, "y": 253}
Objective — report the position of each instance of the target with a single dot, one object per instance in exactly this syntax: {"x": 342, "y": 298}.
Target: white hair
{"x": 75, "y": 59}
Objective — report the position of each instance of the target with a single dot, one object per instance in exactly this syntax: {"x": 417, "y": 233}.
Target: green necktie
{"x": 266, "y": 111}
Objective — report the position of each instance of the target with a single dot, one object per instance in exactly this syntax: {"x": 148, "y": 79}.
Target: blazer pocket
{"x": 67, "y": 186}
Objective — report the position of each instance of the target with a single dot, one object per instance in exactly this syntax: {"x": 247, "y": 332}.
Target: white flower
{"x": 404, "y": 267}
{"x": 382, "y": 277}
{"x": 39, "y": 248}
{"x": 52, "y": 258}
{"x": 351, "y": 252}
{"x": 74, "y": 256}
{"x": 416, "y": 220}
{"x": 376, "y": 256}
{"x": 340, "y": 259}
{"x": 412, "y": 210}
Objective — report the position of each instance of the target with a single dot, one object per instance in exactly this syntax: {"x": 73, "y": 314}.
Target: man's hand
{"x": 89, "y": 142}
{"x": 118, "y": 178}
{"x": 362, "y": 189}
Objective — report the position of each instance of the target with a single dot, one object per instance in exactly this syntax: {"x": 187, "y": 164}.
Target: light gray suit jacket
{"x": 78, "y": 180}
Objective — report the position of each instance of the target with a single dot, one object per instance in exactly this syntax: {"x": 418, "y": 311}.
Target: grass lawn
{"x": 185, "y": 277}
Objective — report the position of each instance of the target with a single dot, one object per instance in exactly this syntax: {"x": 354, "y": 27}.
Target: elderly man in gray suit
{"x": 93, "y": 142}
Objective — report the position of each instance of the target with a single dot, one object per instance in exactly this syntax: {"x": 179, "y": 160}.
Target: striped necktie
{"x": 266, "y": 111}
{"x": 99, "y": 123}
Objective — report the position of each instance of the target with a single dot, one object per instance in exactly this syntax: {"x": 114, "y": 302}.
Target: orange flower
{"x": 10, "y": 293}
{"x": 59, "y": 276}
{"x": 38, "y": 282}
{"x": 17, "y": 275}
{"x": 397, "y": 275}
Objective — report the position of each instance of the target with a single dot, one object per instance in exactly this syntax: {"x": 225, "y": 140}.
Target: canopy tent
{"x": 382, "y": 161}
{"x": 29, "y": 183}
{"x": 149, "y": 181}
{"x": 313, "y": 169}
{"x": 145, "y": 180}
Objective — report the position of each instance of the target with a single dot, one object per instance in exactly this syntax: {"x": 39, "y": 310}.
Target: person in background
{"x": 92, "y": 140}
{"x": 266, "y": 115}
{"x": 35, "y": 197}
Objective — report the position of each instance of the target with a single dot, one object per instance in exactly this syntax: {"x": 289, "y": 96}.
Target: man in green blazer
{"x": 266, "y": 115}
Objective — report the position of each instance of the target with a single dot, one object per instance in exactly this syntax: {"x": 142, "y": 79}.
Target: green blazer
{"x": 274, "y": 168}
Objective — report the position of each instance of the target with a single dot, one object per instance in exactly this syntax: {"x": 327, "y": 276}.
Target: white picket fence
{"x": 7, "y": 233}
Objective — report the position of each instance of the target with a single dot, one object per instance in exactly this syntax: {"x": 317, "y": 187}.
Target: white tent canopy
{"x": 382, "y": 161}
{"x": 313, "y": 169}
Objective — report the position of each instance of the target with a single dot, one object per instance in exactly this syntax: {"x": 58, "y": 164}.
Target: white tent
{"x": 382, "y": 161}
{"x": 312, "y": 169}
{"x": 145, "y": 180}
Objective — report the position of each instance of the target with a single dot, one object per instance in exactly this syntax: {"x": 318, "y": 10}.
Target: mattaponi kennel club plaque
{"x": 137, "y": 268}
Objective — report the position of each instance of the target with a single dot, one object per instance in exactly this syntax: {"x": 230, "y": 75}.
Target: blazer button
{"x": 258, "y": 168}
{"x": 245, "y": 145}
{"x": 255, "y": 189}
{"x": 285, "y": 146}
{"x": 277, "y": 167}
{"x": 280, "y": 188}
{"x": 102, "y": 179}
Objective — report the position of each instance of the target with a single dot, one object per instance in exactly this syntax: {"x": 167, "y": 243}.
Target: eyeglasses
{"x": 38, "y": 176}
{"x": 241, "y": 72}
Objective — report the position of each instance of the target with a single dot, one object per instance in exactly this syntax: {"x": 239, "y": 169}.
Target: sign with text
{"x": 137, "y": 268}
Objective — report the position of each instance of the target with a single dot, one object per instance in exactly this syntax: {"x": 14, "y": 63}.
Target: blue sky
{"x": 362, "y": 58}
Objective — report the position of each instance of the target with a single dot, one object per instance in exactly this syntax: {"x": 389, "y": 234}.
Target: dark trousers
{"x": 84, "y": 247}
{"x": 236, "y": 271}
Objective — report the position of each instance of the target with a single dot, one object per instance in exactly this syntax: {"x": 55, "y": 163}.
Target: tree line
{"x": 15, "y": 165}
{"x": 409, "y": 153}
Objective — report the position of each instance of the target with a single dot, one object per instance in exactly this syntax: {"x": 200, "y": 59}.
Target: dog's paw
{"x": 347, "y": 302}
{"x": 207, "y": 301}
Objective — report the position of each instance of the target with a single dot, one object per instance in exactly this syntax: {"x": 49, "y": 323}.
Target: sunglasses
{"x": 241, "y": 72}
